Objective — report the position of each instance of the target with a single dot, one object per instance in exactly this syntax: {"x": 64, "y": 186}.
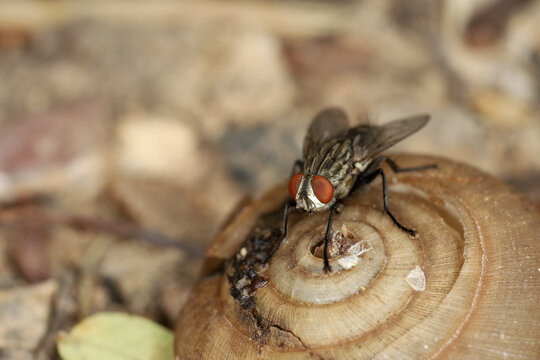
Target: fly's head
{"x": 312, "y": 193}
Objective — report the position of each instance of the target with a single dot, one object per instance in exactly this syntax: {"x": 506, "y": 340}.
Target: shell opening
{"x": 340, "y": 244}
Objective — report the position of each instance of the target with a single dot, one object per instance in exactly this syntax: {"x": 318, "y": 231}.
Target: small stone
{"x": 500, "y": 109}
{"x": 416, "y": 279}
{"x": 354, "y": 253}
{"x": 242, "y": 283}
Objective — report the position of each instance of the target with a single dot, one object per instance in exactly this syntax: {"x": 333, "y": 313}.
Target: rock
{"x": 159, "y": 147}
{"x": 24, "y": 315}
{"x": 141, "y": 272}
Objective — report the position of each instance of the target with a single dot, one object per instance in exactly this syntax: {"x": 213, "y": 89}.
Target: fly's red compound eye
{"x": 294, "y": 184}
{"x": 323, "y": 189}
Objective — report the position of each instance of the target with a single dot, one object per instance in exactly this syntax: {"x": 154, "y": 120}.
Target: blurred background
{"x": 130, "y": 129}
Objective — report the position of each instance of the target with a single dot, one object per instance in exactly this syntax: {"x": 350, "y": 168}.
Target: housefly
{"x": 338, "y": 160}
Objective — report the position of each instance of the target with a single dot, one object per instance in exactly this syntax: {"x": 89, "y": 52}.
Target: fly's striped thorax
{"x": 330, "y": 159}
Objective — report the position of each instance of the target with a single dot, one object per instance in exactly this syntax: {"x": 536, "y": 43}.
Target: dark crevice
{"x": 243, "y": 272}
{"x": 290, "y": 332}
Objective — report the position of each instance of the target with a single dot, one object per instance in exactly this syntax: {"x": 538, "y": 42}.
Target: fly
{"x": 338, "y": 160}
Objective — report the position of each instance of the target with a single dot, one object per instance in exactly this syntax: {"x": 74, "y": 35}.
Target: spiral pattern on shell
{"x": 467, "y": 287}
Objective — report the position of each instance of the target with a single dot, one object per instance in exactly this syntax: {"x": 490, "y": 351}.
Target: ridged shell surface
{"x": 477, "y": 256}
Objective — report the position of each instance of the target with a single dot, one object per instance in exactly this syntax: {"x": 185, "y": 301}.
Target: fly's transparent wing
{"x": 369, "y": 141}
{"x": 327, "y": 124}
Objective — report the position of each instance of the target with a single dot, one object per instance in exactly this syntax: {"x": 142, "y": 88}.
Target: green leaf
{"x": 116, "y": 336}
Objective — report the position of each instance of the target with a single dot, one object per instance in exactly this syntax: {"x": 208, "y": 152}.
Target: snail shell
{"x": 468, "y": 287}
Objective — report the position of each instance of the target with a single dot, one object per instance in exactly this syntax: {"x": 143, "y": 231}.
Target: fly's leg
{"x": 368, "y": 179}
{"x": 297, "y": 167}
{"x": 284, "y": 231}
{"x": 373, "y": 171}
{"x": 395, "y": 167}
{"x": 326, "y": 267}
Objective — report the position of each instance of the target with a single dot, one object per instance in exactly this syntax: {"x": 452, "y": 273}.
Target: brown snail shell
{"x": 477, "y": 248}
